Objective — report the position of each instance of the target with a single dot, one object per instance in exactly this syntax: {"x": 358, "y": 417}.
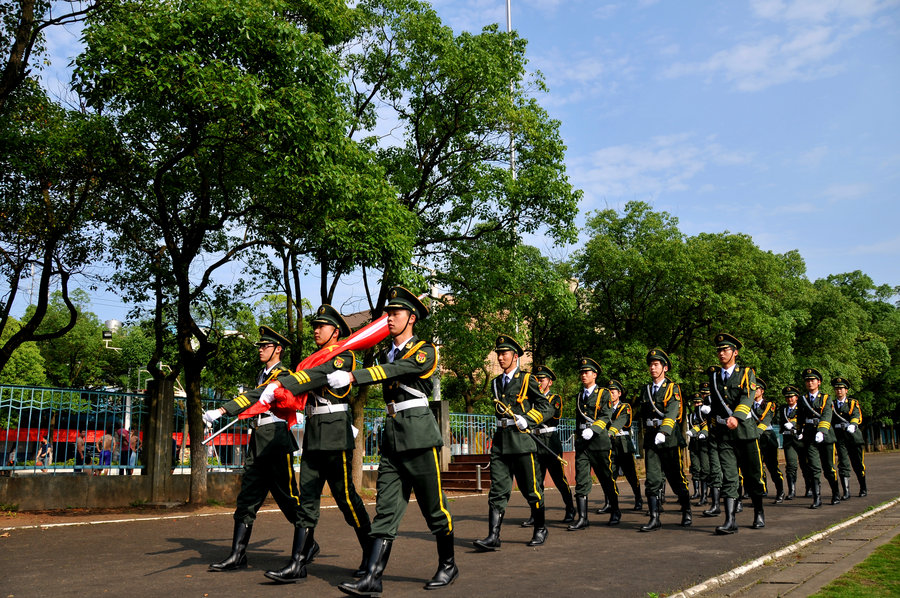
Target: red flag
{"x": 286, "y": 404}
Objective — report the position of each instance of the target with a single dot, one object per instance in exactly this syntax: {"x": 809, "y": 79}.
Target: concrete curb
{"x": 732, "y": 575}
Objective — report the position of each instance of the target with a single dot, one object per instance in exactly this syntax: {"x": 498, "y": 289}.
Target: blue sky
{"x": 775, "y": 118}
{"x": 779, "y": 119}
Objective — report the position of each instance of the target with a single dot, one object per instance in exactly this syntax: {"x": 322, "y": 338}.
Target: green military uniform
{"x": 622, "y": 443}
{"x": 409, "y": 450}
{"x": 731, "y": 395}
{"x": 593, "y": 448}
{"x": 714, "y": 478}
{"x": 661, "y": 415}
{"x": 849, "y": 440}
{"x": 814, "y": 419}
{"x": 698, "y": 432}
{"x": 791, "y": 445}
{"x": 548, "y": 456}
{"x": 268, "y": 466}
{"x": 328, "y": 444}
{"x": 520, "y": 408}
{"x": 763, "y": 412}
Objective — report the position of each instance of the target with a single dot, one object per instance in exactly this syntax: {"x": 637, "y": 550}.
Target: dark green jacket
{"x": 815, "y": 416}
{"x": 848, "y": 413}
{"x": 410, "y": 376}
{"x": 523, "y": 396}
{"x": 735, "y": 399}
{"x": 262, "y": 436}
{"x": 325, "y": 431}
{"x": 594, "y": 410}
{"x": 665, "y": 405}
{"x": 551, "y": 439}
{"x": 620, "y": 421}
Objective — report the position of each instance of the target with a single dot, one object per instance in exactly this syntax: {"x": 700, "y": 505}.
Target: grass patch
{"x": 214, "y": 503}
{"x": 138, "y": 503}
{"x": 9, "y": 510}
{"x": 876, "y": 577}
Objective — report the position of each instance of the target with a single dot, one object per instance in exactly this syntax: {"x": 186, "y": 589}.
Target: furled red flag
{"x": 286, "y": 404}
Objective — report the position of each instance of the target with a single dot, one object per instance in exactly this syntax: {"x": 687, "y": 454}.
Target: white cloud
{"x": 799, "y": 42}
{"x": 663, "y": 164}
{"x": 847, "y": 192}
{"x": 890, "y": 248}
{"x": 812, "y": 158}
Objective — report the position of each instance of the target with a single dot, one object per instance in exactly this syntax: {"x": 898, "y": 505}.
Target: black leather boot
{"x": 653, "y": 507}
{"x": 492, "y": 542}
{"x": 638, "y": 502}
{"x": 447, "y": 571}
{"x": 863, "y": 491}
{"x": 687, "y": 518}
{"x": 704, "y": 494}
{"x": 370, "y": 583}
{"x": 696, "y": 493}
{"x": 835, "y": 492}
{"x": 816, "y": 494}
{"x": 540, "y": 529}
{"x": 729, "y": 526}
{"x": 238, "y": 557}
{"x": 570, "y": 508}
{"x": 615, "y": 515}
{"x": 779, "y": 491}
{"x": 808, "y": 493}
{"x": 739, "y": 505}
{"x": 365, "y": 542}
{"x": 792, "y": 488}
{"x": 759, "y": 518}
{"x": 582, "y": 521}
{"x": 714, "y": 510}
{"x": 296, "y": 567}
{"x": 605, "y": 508}
{"x": 845, "y": 488}
{"x": 528, "y": 522}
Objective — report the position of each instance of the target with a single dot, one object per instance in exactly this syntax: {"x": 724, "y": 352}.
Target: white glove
{"x": 690, "y": 433}
{"x": 799, "y": 436}
{"x": 788, "y": 426}
{"x": 268, "y": 394}
{"x": 338, "y": 379}
{"x": 820, "y": 436}
{"x": 660, "y": 438}
{"x": 702, "y": 436}
{"x": 587, "y": 433}
{"x": 851, "y": 428}
{"x": 705, "y": 409}
{"x": 521, "y": 422}
{"x": 212, "y": 415}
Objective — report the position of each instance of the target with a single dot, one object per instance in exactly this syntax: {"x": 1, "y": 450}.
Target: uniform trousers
{"x": 602, "y": 465}
{"x": 741, "y": 463}
{"x": 663, "y": 463}
{"x": 269, "y": 467}
{"x": 400, "y": 474}
{"x": 526, "y": 471}
{"x": 334, "y": 467}
{"x": 850, "y": 455}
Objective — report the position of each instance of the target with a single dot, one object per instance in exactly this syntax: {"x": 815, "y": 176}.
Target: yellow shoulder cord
{"x": 523, "y": 390}
{"x": 434, "y": 367}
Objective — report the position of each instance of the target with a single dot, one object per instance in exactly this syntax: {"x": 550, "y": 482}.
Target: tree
{"x": 25, "y": 366}
{"x": 56, "y": 167}
{"x": 229, "y": 112}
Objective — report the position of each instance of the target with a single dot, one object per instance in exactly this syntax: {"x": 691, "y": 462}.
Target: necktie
{"x": 724, "y": 376}
{"x": 655, "y": 388}
{"x": 505, "y": 381}
{"x": 393, "y": 354}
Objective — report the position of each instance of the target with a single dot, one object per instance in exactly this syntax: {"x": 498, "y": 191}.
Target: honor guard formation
{"x": 726, "y": 427}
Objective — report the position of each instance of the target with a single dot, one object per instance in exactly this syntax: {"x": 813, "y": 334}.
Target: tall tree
{"x": 231, "y": 114}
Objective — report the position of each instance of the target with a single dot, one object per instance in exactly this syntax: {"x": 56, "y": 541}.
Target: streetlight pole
{"x": 512, "y": 141}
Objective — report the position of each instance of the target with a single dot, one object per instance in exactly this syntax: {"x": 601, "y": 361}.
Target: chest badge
{"x": 421, "y": 356}
{"x": 338, "y": 362}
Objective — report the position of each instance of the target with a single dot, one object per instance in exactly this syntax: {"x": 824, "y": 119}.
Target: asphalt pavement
{"x": 161, "y": 555}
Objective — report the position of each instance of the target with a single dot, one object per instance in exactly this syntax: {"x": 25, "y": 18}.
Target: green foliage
{"x": 876, "y": 577}
{"x": 26, "y": 364}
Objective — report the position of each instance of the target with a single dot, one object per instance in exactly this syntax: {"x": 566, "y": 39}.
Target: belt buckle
{"x": 391, "y": 410}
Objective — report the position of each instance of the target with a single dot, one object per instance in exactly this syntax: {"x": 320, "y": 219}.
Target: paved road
{"x": 169, "y": 557}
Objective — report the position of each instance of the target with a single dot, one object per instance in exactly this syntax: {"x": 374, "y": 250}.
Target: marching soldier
{"x": 548, "y": 457}
{"x": 269, "y": 464}
{"x": 661, "y": 414}
{"x": 818, "y": 436}
{"x": 328, "y": 444}
{"x": 593, "y": 448}
{"x": 850, "y": 445}
{"x": 714, "y": 479}
{"x": 620, "y": 434}
{"x": 409, "y": 444}
{"x": 763, "y": 412}
{"x": 736, "y": 435}
{"x": 790, "y": 443}
{"x": 697, "y": 433}
{"x": 520, "y": 406}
